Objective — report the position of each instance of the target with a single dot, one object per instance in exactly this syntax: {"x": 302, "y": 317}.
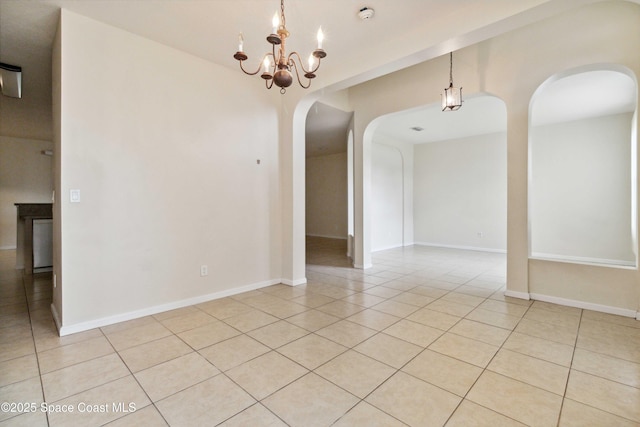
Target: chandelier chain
{"x": 282, "y": 18}
{"x": 451, "y": 68}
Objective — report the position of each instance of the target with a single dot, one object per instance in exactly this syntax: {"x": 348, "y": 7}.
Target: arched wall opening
{"x": 328, "y": 184}
{"x": 439, "y": 178}
{"x": 583, "y": 191}
{"x": 582, "y": 171}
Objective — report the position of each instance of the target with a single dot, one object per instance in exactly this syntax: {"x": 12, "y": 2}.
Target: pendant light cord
{"x": 451, "y": 68}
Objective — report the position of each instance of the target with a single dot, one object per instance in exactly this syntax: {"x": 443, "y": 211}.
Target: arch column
{"x": 517, "y": 200}
{"x": 362, "y": 190}
{"x": 293, "y": 113}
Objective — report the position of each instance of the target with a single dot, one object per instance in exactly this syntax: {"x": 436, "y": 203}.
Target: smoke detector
{"x": 366, "y": 13}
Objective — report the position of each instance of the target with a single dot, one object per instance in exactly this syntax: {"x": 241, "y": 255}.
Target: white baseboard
{"x": 583, "y": 260}
{"x": 574, "y": 303}
{"x": 387, "y": 248}
{"x": 327, "y": 236}
{"x": 297, "y": 282}
{"x": 7, "y": 248}
{"x": 56, "y": 318}
{"x": 110, "y": 320}
{"x": 515, "y": 294}
{"x": 586, "y": 305}
{"x": 362, "y": 266}
{"x": 464, "y": 248}
{"x": 393, "y": 247}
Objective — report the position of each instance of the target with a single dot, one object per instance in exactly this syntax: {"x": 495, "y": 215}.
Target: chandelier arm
{"x": 247, "y": 72}
{"x": 290, "y": 59}
{"x": 295, "y": 67}
{"x": 259, "y": 65}
{"x": 268, "y": 83}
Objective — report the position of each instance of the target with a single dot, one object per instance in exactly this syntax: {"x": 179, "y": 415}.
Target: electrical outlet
{"x": 480, "y": 234}
{"x": 204, "y": 270}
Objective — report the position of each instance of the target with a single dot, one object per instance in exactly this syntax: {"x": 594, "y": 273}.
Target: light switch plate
{"x": 74, "y": 196}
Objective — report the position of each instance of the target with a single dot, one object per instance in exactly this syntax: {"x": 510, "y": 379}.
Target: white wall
{"x": 391, "y": 192}
{"x": 164, "y": 149}
{"x": 511, "y": 66}
{"x": 460, "y": 190}
{"x": 387, "y": 196}
{"x": 56, "y": 109}
{"x": 350, "y": 193}
{"x": 326, "y": 196}
{"x": 25, "y": 177}
{"x": 581, "y": 190}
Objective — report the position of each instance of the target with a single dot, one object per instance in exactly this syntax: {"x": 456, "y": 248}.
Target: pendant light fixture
{"x": 277, "y": 67}
{"x": 452, "y": 96}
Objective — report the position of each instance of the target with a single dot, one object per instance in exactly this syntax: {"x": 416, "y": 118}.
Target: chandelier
{"x": 452, "y": 96}
{"x": 277, "y": 67}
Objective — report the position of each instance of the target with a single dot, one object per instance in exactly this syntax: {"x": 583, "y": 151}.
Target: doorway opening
{"x": 439, "y": 178}
{"x": 329, "y": 186}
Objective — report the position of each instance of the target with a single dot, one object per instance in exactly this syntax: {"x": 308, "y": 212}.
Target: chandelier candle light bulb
{"x": 281, "y": 72}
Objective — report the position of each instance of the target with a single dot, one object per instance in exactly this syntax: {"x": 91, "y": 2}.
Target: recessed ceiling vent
{"x": 11, "y": 80}
{"x": 417, "y": 128}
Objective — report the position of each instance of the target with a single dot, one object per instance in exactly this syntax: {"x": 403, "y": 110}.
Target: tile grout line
{"x": 573, "y": 353}
{"x": 33, "y": 337}
{"x": 575, "y": 347}
{"x": 485, "y": 370}
{"x": 397, "y": 370}
{"x": 152, "y": 403}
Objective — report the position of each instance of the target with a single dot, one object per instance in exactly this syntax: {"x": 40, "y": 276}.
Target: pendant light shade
{"x": 452, "y": 96}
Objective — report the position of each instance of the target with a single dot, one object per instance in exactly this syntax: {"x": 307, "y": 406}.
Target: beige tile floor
{"x": 425, "y": 338}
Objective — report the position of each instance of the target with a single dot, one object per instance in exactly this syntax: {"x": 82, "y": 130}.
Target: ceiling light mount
{"x": 277, "y": 67}
{"x": 452, "y": 96}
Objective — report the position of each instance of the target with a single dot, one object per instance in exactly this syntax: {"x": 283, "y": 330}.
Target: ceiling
{"x": 477, "y": 116}
{"x": 326, "y": 130}
{"x": 400, "y": 34}
{"x": 209, "y": 28}
{"x": 575, "y": 97}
